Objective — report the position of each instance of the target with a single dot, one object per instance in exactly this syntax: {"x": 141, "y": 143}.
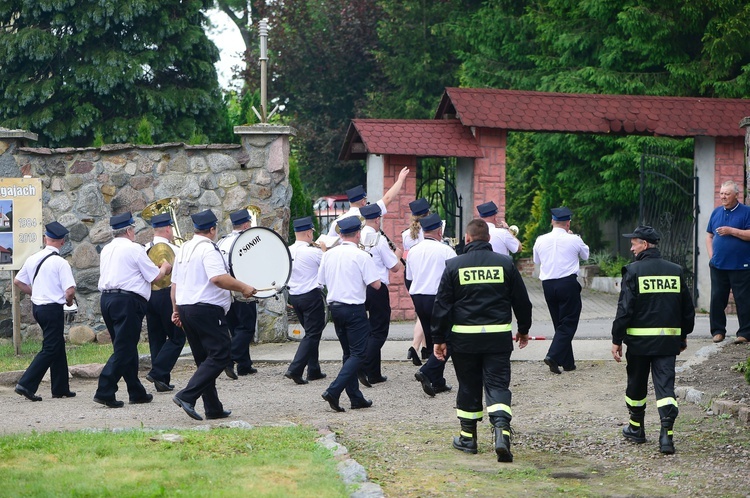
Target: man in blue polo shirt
{"x": 728, "y": 245}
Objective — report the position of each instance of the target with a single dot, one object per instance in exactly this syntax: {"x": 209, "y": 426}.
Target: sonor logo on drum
{"x": 248, "y": 246}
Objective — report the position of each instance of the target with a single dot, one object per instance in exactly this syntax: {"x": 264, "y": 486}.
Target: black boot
{"x": 467, "y": 439}
{"x": 635, "y": 431}
{"x": 666, "y": 444}
{"x": 502, "y": 443}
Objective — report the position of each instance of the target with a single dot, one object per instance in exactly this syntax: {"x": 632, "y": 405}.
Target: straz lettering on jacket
{"x": 481, "y": 275}
{"x": 248, "y": 246}
{"x": 655, "y": 284}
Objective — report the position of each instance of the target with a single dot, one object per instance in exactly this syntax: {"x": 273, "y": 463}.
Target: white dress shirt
{"x": 558, "y": 254}
{"x": 502, "y": 240}
{"x": 53, "y": 279}
{"x": 382, "y": 256}
{"x": 347, "y": 270}
{"x": 425, "y": 264}
{"x": 124, "y": 265}
{"x": 305, "y": 264}
{"x": 408, "y": 242}
{"x": 200, "y": 261}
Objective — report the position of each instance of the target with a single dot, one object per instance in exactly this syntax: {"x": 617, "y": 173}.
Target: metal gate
{"x": 669, "y": 203}
{"x": 436, "y": 182}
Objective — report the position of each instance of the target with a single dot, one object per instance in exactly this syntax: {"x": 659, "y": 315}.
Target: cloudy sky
{"x": 227, "y": 37}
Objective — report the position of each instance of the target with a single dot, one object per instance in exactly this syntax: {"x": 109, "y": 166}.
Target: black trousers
{"x": 563, "y": 296}
{"x": 352, "y": 330}
{"x": 310, "y": 309}
{"x": 52, "y": 356}
{"x": 483, "y": 371}
{"x": 123, "y": 314}
{"x": 433, "y": 369}
{"x": 378, "y": 305}
{"x": 241, "y": 320}
{"x": 165, "y": 339}
{"x": 208, "y": 334}
{"x": 662, "y": 375}
{"x": 722, "y": 281}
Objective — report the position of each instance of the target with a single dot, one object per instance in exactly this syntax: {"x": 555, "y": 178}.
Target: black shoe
{"x": 160, "y": 386}
{"x": 363, "y": 379}
{"x": 26, "y": 393}
{"x": 442, "y": 389}
{"x": 230, "y": 373}
{"x": 666, "y": 443}
{"x": 296, "y": 378}
{"x": 333, "y": 402}
{"x": 465, "y": 444}
{"x": 246, "y": 371}
{"x": 552, "y": 364}
{"x": 425, "y": 353}
{"x": 317, "y": 376}
{"x": 414, "y": 357}
{"x": 109, "y": 403}
{"x": 426, "y": 384}
{"x": 634, "y": 434}
{"x": 148, "y": 398}
{"x": 378, "y": 380}
{"x": 365, "y": 403}
{"x": 189, "y": 408}
{"x": 223, "y": 414}
{"x": 569, "y": 369}
{"x": 502, "y": 444}
{"x": 69, "y": 394}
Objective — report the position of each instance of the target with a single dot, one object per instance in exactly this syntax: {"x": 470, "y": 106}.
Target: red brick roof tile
{"x": 422, "y": 138}
{"x": 592, "y": 113}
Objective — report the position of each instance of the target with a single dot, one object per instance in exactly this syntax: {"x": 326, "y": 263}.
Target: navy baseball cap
{"x": 302, "y": 224}
{"x": 239, "y": 217}
{"x": 487, "y": 209}
{"x": 204, "y": 220}
{"x": 357, "y": 193}
{"x": 370, "y": 212}
{"x": 431, "y": 222}
{"x": 161, "y": 220}
{"x": 350, "y": 224}
{"x": 561, "y": 213}
{"x": 55, "y": 230}
{"x": 419, "y": 207}
{"x": 121, "y": 221}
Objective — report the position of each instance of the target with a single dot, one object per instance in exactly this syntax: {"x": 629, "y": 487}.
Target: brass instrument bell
{"x": 158, "y": 253}
{"x": 166, "y": 205}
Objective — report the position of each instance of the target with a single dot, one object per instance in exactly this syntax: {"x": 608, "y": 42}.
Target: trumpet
{"x": 166, "y": 205}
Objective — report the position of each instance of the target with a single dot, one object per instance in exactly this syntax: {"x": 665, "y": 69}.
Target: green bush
{"x": 609, "y": 265}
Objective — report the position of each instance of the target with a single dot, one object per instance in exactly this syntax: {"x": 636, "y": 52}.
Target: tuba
{"x": 158, "y": 253}
{"x": 254, "y": 212}
{"x": 166, "y": 205}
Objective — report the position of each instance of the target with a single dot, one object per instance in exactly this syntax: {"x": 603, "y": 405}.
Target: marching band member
{"x": 125, "y": 280}
{"x": 502, "y": 241}
{"x": 306, "y": 297}
{"x": 165, "y": 339}
{"x": 377, "y": 303}
{"x": 347, "y": 271}
{"x": 411, "y": 237}
{"x": 358, "y": 198}
{"x": 242, "y": 315}
{"x": 50, "y": 286}
{"x": 200, "y": 301}
{"x": 424, "y": 267}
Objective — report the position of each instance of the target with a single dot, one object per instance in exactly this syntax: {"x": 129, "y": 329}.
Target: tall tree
{"x": 74, "y": 69}
{"x": 638, "y": 47}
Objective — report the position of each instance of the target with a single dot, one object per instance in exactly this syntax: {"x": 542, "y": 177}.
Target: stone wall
{"x": 84, "y": 187}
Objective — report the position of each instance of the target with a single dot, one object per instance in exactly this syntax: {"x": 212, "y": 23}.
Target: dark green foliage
{"x": 75, "y": 69}
{"x": 301, "y": 204}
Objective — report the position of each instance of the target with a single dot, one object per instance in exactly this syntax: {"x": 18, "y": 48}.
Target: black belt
{"x": 122, "y": 291}
{"x": 336, "y": 303}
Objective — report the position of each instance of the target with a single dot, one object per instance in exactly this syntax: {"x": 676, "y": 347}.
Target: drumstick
{"x": 277, "y": 288}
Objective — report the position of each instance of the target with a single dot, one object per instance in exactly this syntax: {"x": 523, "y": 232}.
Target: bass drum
{"x": 260, "y": 257}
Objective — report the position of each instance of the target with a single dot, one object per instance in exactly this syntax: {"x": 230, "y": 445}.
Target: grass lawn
{"x": 77, "y": 355}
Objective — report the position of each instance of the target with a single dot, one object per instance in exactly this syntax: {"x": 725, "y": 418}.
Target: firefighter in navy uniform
{"x": 472, "y": 313}
{"x": 655, "y": 314}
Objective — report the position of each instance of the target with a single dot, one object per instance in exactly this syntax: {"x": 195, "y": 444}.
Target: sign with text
{"x": 21, "y": 225}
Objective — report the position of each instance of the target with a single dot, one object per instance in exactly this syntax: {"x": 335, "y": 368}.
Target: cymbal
{"x": 158, "y": 253}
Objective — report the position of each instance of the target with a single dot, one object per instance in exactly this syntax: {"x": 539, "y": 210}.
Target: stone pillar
{"x": 465, "y": 188}
{"x": 10, "y": 140}
{"x": 705, "y": 167}
{"x": 269, "y": 145}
